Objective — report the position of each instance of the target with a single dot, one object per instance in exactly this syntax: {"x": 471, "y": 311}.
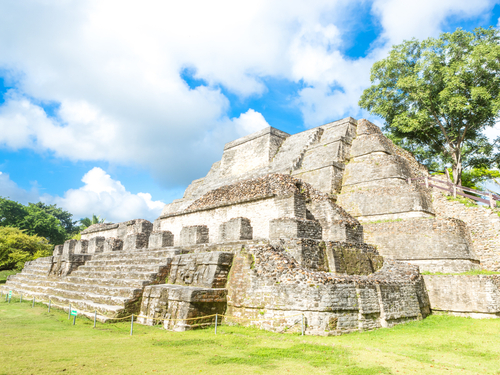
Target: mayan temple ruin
{"x": 330, "y": 223}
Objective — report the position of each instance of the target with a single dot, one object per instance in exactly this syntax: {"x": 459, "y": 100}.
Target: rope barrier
{"x": 135, "y": 317}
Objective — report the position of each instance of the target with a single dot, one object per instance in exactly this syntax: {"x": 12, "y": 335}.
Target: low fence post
{"x": 132, "y": 326}
{"x": 409, "y": 181}
{"x": 33, "y": 304}
{"x": 454, "y": 191}
{"x": 21, "y": 299}
{"x": 492, "y": 202}
{"x": 216, "y": 316}
{"x": 95, "y": 317}
{"x": 426, "y": 182}
{"x": 302, "y": 324}
{"x": 74, "y": 319}
{"x": 49, "y": 304}
{"x": 69, "y": 311}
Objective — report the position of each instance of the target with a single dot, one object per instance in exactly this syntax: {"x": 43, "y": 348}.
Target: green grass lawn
{"x": 5, "y": 274}
{"x": 33, "y": 341}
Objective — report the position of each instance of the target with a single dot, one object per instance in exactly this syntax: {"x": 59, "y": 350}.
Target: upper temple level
{"x": 316, "y": 156}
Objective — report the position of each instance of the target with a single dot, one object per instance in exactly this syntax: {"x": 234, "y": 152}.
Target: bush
{"x": 17, "y": 247}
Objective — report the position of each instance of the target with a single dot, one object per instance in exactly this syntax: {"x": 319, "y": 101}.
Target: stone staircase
{"x": 111, "y": 283}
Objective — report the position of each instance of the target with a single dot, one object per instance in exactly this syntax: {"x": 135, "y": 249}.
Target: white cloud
{"x": 100, "y": 195}
{"x": 250, "y": 122}
{"x": 108, "y": 198}
{"x": 9, "y": 189}
{"x": 114, "y": 66}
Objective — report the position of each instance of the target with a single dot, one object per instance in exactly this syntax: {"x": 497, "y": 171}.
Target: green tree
{"x": 440, "y": 94}
{"x": 17, "y": 247}
{"x": 33, "y": 220}
{"x": 65, "y": 217}
{"x": 87, "y": 222}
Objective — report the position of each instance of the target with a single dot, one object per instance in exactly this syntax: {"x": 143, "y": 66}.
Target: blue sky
{"x": 113, "y": 107}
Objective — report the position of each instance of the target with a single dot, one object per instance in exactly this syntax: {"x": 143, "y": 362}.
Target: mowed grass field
{"x": 33, "y": 341}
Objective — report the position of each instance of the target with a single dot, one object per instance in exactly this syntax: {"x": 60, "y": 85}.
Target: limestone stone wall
{"x": 483, "y": 224}
{"x": 477, "y": 296}
{"x": 266, "y": 202}
{"x": 375, "y": 186}
{"x": 265, "y": 282}
{"x": 435, "y": 245}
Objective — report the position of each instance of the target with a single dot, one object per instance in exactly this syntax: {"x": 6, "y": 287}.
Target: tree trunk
{"x": 457, "y": 167}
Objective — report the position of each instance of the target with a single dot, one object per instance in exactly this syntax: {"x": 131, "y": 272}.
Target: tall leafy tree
{"x": 33, "y": 220}
{"x": 65, "y": 217}
{"x": 438, "y": 96}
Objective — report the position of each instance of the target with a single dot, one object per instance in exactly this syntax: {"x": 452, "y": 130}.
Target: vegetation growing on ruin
{"x": 470, "y": 273}
{"x": 35, "y": 341}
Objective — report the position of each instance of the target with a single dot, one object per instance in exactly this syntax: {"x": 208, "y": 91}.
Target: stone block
{"x": 58, "y": 250}
{"x": 208, "y": 269}
{"x": 294, "y": 228}
{"x": 235, "y": 230}
{"x": 69, "y": 247}
{"x": 161, "y": 239}
{"x": 113, "y": 244}
{"x": 435, "y": 245}
{"x": 96, "y": 245}
{"x": 465, "y": 295}
{"x": 194, "y": 235}
{"x": 139, "y": 226}
{"x": 136, "y": 241}
{"x": 170, "y": 304}
{"x": 81, "y": 247}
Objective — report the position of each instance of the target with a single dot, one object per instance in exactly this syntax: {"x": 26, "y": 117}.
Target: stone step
{"x": 146, "y": 276}
{"x": 36, "y": 272}
{"x": 90, "y": 297}
{"x": 105, "y": 262}
{"x": 112, "y": 291}
{"x": 143, "y": 254}
{"x": 121, "y": 268}
{"x": 121, "y": 283}
{"x": 87, "y": 307}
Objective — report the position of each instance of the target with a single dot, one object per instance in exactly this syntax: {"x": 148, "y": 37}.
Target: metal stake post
{"x": 216, "y": 316}
{"x": 95, "y": 317}
{"x": 74, "y": 319}
{"x": 49, "y": 304}
{"x": 302, "y": 324}
{"x": 132, "y": 326}
{"x": 69, "y": 311}
{"x": 21, "y": 299}
{"x": 33, "y": 304}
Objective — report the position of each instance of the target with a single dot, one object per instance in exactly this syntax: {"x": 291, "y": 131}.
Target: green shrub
{"x": 17, "y": 247}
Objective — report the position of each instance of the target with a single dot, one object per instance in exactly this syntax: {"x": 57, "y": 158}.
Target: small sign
{"x": 74, "y": 313}
{"x": 10, "y": 293}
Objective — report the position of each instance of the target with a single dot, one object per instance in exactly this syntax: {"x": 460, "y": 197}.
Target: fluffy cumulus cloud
{"x": 9, "y": 189}
{"x": 108, "y": 198}
{"x": 100, "y": 195}
{"x": 111, "y": 72}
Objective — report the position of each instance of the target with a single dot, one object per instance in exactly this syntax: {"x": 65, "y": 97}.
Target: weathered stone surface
{"x": 476, "y": 296}
{"x": 136, "y": 241}
{"x": 265, "y": 282}
{"x": 69, "y": 247}
{"x": 194, "y": 235}
{"x": 208, "y": 270}
{"x": 294, "y": 228}
{"x": 236, "y": 229}
{"x": 436, "y": 245}
{"x": 58, "y": 250}
{"x": 81, "y": 247}
{"x": 112, "y": 244}
{"x": 161, "y": 239}
{"x": 181, "y": 308}
{"x": 96, "y": 245}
